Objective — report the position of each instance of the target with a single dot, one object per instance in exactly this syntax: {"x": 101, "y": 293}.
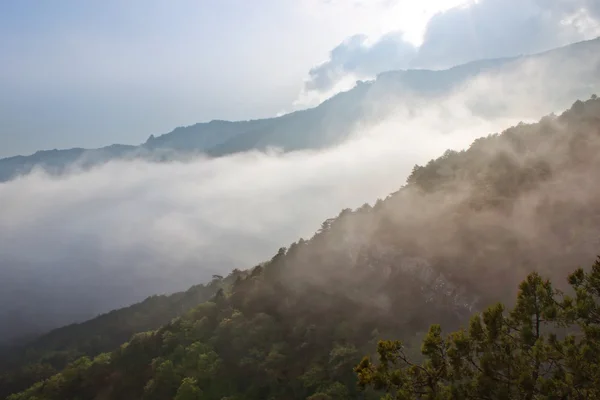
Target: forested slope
{"x": 461, "y": 234}
{"x": 21, "y": 366}
{"x": 546, "y": 347}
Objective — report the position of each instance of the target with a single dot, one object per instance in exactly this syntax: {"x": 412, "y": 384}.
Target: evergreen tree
{"x": 547, "y": 347}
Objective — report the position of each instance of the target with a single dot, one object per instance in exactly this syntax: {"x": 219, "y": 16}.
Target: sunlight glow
{"x": 378, "y": 17}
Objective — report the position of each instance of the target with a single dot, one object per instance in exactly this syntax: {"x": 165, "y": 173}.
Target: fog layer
{"x": 89, "y": 241}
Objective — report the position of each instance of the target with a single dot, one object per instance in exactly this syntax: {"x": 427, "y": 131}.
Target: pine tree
{"x": 547, "y": 347}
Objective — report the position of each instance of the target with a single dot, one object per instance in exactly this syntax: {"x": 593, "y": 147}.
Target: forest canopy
{"x": 546, "y": 347}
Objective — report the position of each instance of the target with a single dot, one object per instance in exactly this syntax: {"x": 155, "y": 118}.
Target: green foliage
{"x": 218, "y": 350}
{"x": 50, "y": 353}
{"x": 188, "y": 390}
{"x": 547, "y": 347}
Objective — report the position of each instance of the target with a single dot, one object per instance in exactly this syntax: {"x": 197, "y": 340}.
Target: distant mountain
{"x": 335, "y": 119}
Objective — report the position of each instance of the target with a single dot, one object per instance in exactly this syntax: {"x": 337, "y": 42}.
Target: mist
{"x": 88, "y": 241}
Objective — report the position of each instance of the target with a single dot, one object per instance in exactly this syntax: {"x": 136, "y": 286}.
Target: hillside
{"x": 575, "y": 67}
{"x": 460, "y": 235}
{"x": 23, "y": 365}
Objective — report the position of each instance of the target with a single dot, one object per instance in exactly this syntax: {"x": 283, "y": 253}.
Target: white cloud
{"x": 312, "y": 98}
{"x": 356, "y": 57}
{"x": 501, "y": 28}
{"x": 471, "y": 31}
{"x": 91, "y": 241}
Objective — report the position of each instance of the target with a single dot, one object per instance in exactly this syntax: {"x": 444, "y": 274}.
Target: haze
{"x": 81, "y": 75}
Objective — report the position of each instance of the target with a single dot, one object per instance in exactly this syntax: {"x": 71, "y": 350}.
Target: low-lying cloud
{"x": 88, "y": 241}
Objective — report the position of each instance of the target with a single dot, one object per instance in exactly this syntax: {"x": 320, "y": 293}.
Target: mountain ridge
{"x": 326, "y": 125}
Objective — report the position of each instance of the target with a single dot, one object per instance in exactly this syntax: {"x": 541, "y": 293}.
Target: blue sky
{"x": 88, "y": 74}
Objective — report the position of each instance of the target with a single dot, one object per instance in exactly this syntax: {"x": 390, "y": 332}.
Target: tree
{"x": 188, "y": 390}
{"x": 546, "y": 347}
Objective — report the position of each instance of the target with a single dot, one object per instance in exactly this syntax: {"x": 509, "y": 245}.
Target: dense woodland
{"x": 20, "y": 367}
{"x": 460, "y": 235}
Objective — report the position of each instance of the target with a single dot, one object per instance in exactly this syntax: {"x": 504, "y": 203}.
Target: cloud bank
{"x": 89, "y": 241}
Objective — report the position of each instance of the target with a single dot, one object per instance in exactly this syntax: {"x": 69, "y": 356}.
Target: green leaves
{"x": 523, "y": 354}
{"x": 188, "y": 390}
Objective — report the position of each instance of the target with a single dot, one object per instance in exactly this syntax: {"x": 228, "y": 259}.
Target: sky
{"x": 88, "y": 74}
